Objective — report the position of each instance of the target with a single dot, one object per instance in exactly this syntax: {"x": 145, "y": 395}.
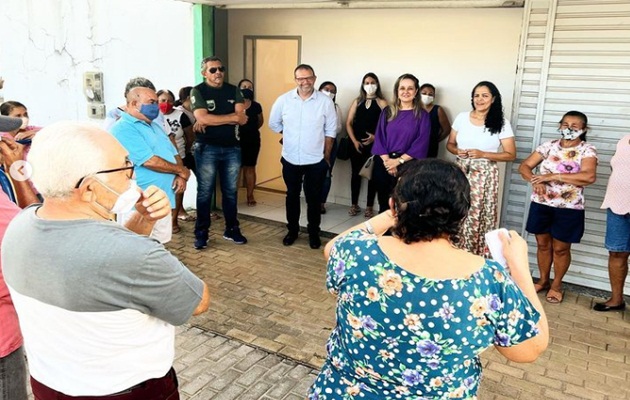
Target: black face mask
{"x": 248, "y": 94}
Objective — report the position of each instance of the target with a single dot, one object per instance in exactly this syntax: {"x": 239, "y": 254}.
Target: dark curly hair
{"x": 494, "y": 120}
{"x": 431, "y": 198}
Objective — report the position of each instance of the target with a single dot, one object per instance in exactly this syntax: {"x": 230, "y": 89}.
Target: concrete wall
{"x": 47, "y": 45}
{"x": 451, "y": 48}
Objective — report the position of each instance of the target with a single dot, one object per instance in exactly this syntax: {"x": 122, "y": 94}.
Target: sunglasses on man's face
{"x": 214, "y": 70}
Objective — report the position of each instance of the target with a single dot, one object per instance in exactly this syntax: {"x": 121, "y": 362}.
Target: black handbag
{"x": 344, "y": 148}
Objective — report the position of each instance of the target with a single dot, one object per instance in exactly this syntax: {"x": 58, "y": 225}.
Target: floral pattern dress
{"x": 562, "y": 160}
{"x": 402, "y": 336}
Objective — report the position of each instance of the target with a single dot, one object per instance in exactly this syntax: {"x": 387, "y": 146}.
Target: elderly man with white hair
{"x": 97, "y": 301}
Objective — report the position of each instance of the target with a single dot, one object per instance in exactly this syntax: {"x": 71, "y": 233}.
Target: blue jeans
{"x": 13, "y": 376}
{"x": 210, "y": 161}
{"x": 617, "y": 232}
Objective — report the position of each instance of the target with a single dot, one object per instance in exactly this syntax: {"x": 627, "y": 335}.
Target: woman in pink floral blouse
{"x": 556, "y": 214}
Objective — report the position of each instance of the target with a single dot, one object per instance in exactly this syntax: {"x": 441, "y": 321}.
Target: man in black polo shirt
{"x": 219, "y": 110}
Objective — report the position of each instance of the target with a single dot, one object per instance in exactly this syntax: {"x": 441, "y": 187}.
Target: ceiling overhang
{"x": 358, "y": 4}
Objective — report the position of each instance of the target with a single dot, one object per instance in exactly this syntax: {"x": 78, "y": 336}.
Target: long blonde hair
{"x": 394, "y": 108}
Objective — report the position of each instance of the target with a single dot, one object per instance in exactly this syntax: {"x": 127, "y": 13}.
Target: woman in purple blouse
{"x": 402, "y": 134}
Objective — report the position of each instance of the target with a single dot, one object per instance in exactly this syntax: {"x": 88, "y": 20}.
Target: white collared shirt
{"x": 304, "y": 125}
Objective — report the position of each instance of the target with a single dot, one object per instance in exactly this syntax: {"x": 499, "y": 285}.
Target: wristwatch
{"x": 401, "y": 160}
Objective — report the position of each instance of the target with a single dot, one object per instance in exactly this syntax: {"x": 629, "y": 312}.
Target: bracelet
{"x": 369, "y": 228}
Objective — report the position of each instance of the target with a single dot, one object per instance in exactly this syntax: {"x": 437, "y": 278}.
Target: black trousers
{"x": 312, "y": 177}
{"x": 384, "y": 184}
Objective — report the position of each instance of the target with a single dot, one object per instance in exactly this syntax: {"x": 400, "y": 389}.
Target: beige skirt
{"x": 483, "y": 176}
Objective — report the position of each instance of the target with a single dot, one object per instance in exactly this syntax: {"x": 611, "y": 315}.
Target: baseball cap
{"x": 8, "y": 124}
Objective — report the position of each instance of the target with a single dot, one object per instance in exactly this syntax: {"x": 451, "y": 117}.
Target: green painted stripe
{"x": 203, "y": 19}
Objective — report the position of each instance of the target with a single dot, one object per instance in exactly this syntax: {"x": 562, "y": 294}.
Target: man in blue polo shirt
{"x": 308, "y": 122}
{"x": 156, "y": 159}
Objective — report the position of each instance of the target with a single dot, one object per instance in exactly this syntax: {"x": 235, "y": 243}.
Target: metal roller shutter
{"x": 575, "y": 54}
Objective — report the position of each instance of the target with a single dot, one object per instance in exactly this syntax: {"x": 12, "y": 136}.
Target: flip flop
{"x": 369, "y": 213}
{"x": 176, "y": 229}
{"x": 251, "y": 203}
{"x": 540, "y": 288}
{"x": 554, "y": 296}
{"x": 186, "y": 218}
{"x": 354, "y": 210}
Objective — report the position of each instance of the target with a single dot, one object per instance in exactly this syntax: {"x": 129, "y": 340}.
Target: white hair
{"x": 63, "y": 153}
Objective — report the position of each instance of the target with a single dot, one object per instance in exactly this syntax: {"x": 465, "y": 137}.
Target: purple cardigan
{"x": 406, "y": 134}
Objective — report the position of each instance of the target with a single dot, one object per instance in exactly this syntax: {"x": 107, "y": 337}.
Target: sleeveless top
{"x": 434, "y": 142}
{"x": 249, "y": 132}
{"x": 366, "y": 119}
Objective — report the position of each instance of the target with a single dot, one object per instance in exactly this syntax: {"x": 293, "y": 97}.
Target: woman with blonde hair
{"x": 402, "y": 134}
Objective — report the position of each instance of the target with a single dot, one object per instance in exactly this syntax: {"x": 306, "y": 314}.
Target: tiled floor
{"x": 271, "y": 207}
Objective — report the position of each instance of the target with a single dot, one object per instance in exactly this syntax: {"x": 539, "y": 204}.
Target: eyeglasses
{"x": 307, "y": 78}
{"x": 214, "y": 70}
{"x": 129, "y": 166}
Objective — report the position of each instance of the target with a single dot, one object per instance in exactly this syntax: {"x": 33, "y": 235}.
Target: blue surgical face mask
{"x": 151, "y": 111}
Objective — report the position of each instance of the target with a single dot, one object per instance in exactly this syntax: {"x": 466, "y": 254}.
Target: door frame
{"x": 248, "y": 71}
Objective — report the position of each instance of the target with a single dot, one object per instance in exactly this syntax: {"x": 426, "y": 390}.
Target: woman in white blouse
{"x": 480, "y": 138}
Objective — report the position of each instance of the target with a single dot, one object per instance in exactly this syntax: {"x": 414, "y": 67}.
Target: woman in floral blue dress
{"x": 413, "y": 311}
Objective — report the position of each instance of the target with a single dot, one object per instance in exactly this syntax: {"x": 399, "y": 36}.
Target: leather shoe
{"x": 314, "y": 241}
{"x": 604, "y": 307}
{"x": 289, "y": 239}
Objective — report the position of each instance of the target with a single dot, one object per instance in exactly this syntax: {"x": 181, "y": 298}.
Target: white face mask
{"x": 24, "y": 123}
{"x": 327, "y": 93}
{"x": 127, "y": 199}
{"x": 426, "y": 99}
{"x": 370, "y": 89}
{"x": 570, "y": 134}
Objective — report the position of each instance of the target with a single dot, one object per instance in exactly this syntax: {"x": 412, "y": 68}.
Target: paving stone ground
{"x": 270, "y": 315}
{"x": 270, "y": 301}
{"x": 214, "y": 367}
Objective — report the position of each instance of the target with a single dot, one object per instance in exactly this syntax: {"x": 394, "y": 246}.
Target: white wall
{"x": 451, "y": 48}
{"x": 47, "y": 45}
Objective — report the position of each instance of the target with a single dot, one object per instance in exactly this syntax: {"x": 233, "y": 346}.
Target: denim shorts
{"x": 617, "y": 232}
{"x": 564, "y": 224}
